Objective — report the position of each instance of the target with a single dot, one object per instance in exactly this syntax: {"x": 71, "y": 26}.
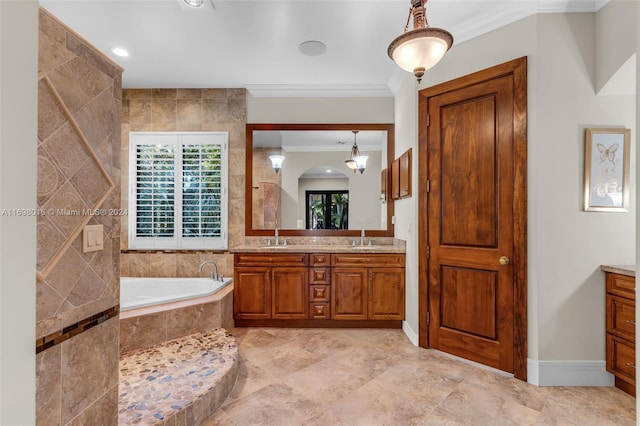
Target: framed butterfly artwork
{"x": 606, "y": 170}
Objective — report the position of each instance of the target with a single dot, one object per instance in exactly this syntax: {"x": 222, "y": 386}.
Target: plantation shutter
{"x": 178, "y": 190}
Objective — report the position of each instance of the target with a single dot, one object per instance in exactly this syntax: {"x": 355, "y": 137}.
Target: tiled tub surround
{"x": 153, "y": 325}
{"x": 186, "y": 110}
{"x": 179, "y": 382}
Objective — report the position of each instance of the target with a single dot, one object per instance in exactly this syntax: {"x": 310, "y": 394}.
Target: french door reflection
{"x": 327, "y": 209}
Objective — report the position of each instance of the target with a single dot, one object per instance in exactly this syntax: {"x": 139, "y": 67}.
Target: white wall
{"x": 566, "y": 245}
{"x": 18, "y": 156}
{"x": 319, "y": 110}
{"x": 364, "y": 189}
{"x": 614, "y": 43}
{"x": 406, "y": 210}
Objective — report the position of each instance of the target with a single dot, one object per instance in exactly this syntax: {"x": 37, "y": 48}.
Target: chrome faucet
{"x": 362, "y": 237}
{"x": 214, "y": 274}
{"x": 277, "y": 237}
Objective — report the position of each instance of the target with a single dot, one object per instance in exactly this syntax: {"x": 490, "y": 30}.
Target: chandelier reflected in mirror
{"x": 356, "y": 162}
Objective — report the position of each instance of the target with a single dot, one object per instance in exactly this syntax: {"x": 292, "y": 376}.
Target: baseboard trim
{"x": 412, "y": 335}
{"x": 568, "y": 373}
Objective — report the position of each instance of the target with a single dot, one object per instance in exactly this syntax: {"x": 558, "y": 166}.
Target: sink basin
{"x": 274, "y": 247}
{"x": 363, "y": 247}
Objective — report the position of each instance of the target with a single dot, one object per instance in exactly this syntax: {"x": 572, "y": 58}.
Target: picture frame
{"x": 606, "y": 170}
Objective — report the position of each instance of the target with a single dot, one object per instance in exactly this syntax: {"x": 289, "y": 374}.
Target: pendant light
{"x": 356, "y": 162}
{"x": 421, "y": 48}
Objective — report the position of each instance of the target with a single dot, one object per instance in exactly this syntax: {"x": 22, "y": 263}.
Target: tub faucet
{"x": 214, "y": 274}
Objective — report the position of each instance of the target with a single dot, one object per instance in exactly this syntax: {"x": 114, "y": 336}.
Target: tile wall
{"x": 79, "y": 102}
{"x": 186, "y": 110}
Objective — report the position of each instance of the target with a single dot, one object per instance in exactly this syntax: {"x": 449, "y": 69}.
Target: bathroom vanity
{"x": 621, "y": 325}
{"x": 319, "y": 286}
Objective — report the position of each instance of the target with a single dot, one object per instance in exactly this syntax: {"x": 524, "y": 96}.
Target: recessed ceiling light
{"x": 118, "y": 51}
{"x": 328, "y": 170}
{"x": 194, "y": 3}
{"x": 312, "y": 48}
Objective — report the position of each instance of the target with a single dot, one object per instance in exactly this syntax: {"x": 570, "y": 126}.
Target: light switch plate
{"x": 92, "y": 238}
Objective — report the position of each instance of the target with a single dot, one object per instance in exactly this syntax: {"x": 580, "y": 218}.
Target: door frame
{"x": 517, "y": 68}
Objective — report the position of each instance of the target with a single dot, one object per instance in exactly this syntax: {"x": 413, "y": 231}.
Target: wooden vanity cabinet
{"x": 319, "y": 286}
{"x": 268, "y": 286}
{"x": 621, "y": 330}
{"x": 368, "y": 287}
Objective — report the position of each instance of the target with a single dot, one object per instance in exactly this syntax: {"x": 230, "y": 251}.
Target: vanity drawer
{"x": 368, "y": 260}
{"x": 319, "y": 276}
{"x": 319, "y": 311}
{"x": 621, "y": 358}
{"x": 319, "y": 293}
{"x": 322, "y": 259}
{"x": 270, "y": 259}
{"x": 621, "y": 317}
{"x": 621, "y": 285}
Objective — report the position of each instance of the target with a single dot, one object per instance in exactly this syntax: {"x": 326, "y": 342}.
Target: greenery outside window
{"x": 178, "y": 190}
{"x": 327, "y": 209}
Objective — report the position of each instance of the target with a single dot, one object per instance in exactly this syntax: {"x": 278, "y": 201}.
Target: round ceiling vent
{"x": 312, "y": 48}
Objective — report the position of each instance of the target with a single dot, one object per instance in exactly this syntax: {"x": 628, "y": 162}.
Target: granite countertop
{"x": 628, "y": 270}
{"x": 320, "y": 248}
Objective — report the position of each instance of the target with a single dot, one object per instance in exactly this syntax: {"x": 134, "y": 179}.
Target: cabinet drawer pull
{"x": 631, "y": 364}
{"x": 632, "y": 322}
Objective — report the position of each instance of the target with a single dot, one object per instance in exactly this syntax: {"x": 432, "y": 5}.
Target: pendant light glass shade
{"x": 276, "y": 162}
{"x": 356, "y": 162}
{"x": 420, "y": 49}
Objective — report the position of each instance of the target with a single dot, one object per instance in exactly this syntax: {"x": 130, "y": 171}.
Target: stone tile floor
{"x": 377, "y": 377}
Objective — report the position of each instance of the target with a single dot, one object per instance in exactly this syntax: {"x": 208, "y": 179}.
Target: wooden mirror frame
{"x": 249, "y": 231}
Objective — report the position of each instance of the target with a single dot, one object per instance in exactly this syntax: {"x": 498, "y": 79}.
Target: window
{"x": 178, "y": 190}
{"x": 327, "y": 209}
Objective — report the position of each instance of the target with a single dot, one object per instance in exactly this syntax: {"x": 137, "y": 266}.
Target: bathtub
{"x": 142, "y": 292}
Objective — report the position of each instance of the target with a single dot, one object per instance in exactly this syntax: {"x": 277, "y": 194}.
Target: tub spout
{"x": 214, "y": 274}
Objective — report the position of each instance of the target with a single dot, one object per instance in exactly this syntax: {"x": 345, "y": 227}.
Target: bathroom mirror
{"x": 314, "y": 191}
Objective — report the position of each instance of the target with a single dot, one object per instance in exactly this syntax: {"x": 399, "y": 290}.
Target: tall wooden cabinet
{"x": 621, "y": 330}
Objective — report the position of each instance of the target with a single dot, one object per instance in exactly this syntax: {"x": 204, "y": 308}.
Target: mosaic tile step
{"x": 181, "y": 381}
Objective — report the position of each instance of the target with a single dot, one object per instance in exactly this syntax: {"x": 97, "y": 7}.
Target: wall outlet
{"x": 92, "y": 238}
{"x": 393, "y": 220}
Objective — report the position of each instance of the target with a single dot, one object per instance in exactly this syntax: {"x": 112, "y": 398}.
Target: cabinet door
{"x": 395, "y": 179}
{"x": 251, "y": 293}
{"x": 349, "y": 297}
{"x": 386, "y": 291}
{"x": 289, "y": 293}
{"x": 405, "y": 174}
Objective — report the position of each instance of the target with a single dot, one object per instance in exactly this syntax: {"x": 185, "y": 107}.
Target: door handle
{"x": 504, "y": 260}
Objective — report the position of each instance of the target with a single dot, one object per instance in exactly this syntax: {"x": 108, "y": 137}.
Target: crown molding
{"x": 567, "y": 6}
{"x": 491, "y": 20}
{"x": 320, "y": 90}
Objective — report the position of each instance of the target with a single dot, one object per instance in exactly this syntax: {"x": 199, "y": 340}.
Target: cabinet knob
{"x": 632, "y": 322}
{"x": 504, "y": 260}
{"x": 631, "y": 364}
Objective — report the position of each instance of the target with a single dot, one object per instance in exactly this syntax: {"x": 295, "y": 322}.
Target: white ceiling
{"x": 254, "y": 44}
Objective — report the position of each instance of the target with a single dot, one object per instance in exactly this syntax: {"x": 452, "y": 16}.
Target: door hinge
{"x": 428, "y": 318}
{"x": 428, "y": 120}
{"x": 428, "y": 251}
{"x": 428, "y": 185}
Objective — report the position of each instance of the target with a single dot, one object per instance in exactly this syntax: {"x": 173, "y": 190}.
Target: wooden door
{"x": 349, "y": 294}
{"x": 386, "y": 293}
{"x": 252, "y": 293}
{"x": 289, "y": 293}
{"x": 474, "y": 240}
